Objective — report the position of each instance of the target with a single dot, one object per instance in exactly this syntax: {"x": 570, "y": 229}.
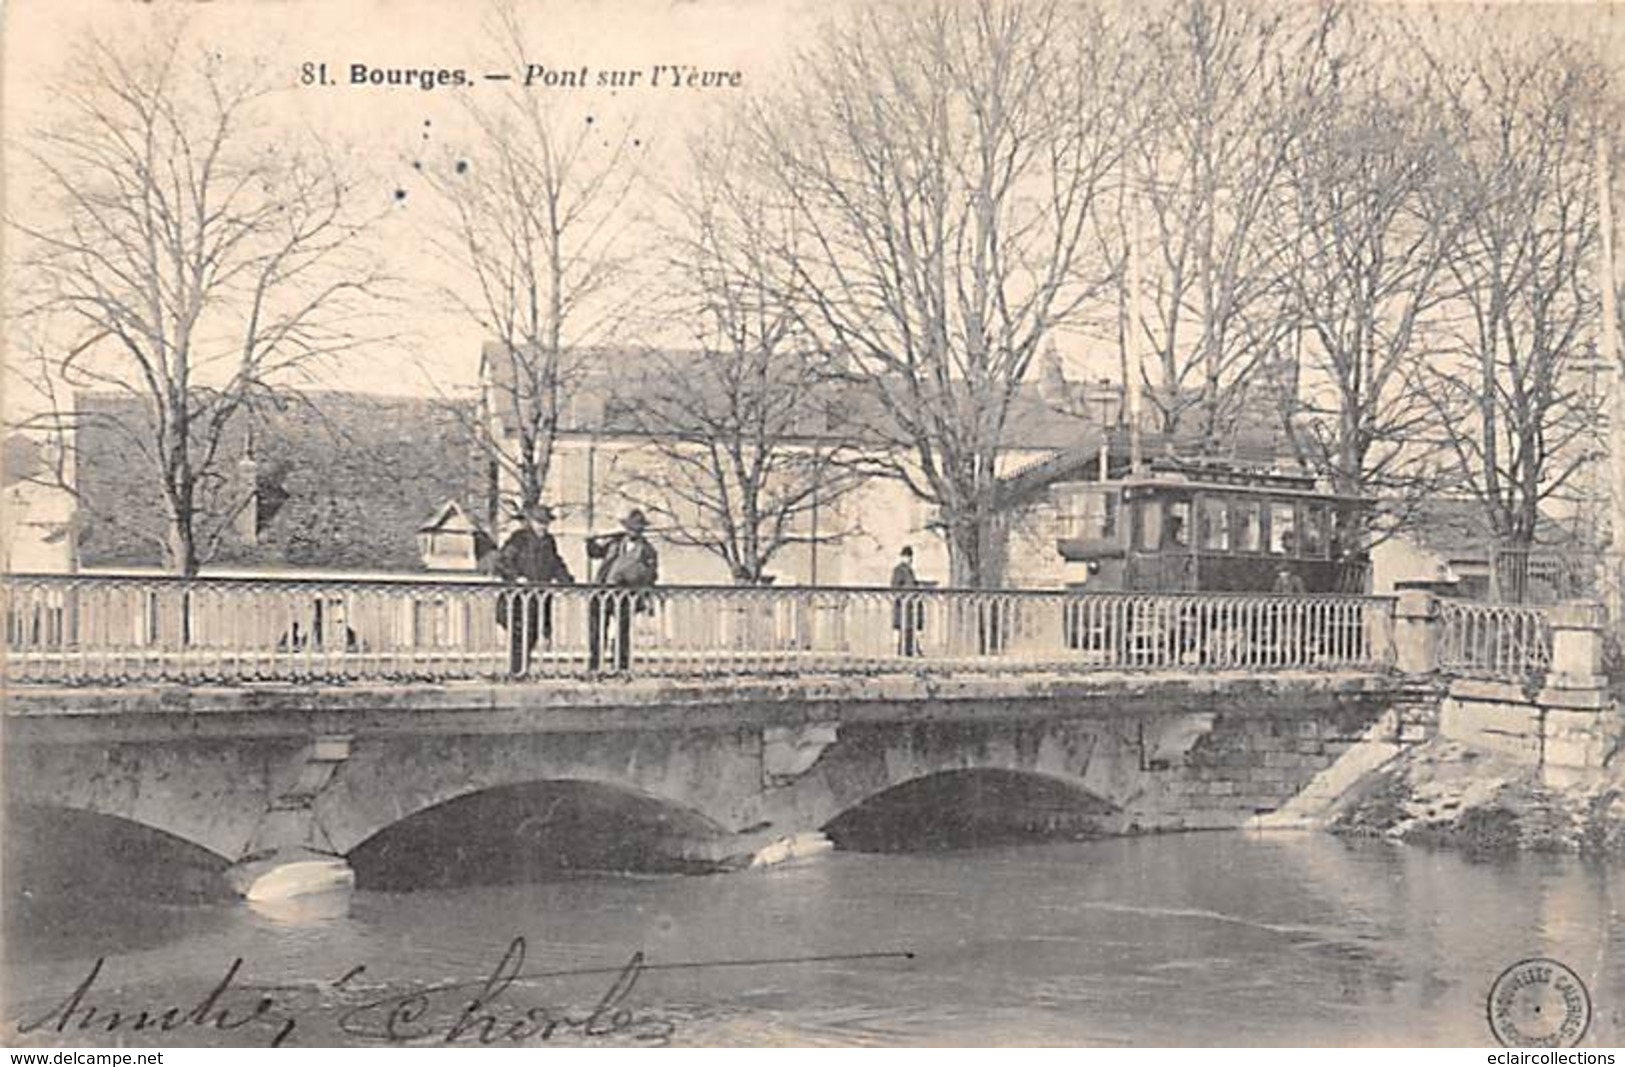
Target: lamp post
{"x": 1135, "y": 345}
{"x": 1608, "y": 349}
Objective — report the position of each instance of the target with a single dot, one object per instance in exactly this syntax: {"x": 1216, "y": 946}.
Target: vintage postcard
{"x": 784, "y": 523}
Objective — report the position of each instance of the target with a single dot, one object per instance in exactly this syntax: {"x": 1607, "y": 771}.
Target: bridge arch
{"x": 1094, "y": 762}
{"x": 702, "y": 781}
{"x": 970, "y": 807}
{"x": 210, "y": 793}
{"x": 52, "y": 850}
{"x": 524, "y": 831}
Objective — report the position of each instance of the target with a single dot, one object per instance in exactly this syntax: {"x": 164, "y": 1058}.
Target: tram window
{"x": 1283, "y": 530}
{"x": 1249, "y": 530}
{"x": 1148, "y": 525}
{"x": 1092, "y": 513}
{"x": 1179, "y": 524}
{"x": 1314, "y": 532}
{"x": 1215, "y": 524}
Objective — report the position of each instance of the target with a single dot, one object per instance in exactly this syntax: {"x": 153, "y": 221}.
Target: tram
{"x": 1186, "y": 526}
{"x": 1194, "y": 527}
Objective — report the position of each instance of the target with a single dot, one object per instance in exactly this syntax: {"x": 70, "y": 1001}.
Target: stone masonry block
{"x": 1511, "y": 729}
{"x": 1576, "y": 753}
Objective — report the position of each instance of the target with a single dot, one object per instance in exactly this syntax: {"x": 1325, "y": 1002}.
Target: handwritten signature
{"x": 485, "y": 1011}
{"x": 219, "y": 1009}
{"x": 484, "y": 1018}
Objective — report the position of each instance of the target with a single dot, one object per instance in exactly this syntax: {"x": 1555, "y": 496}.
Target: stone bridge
{"x": 263, "y": 778}
{"x": 278, "y": 779}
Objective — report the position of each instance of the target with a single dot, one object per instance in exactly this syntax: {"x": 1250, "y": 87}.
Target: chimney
{"x": 246, "y": 523}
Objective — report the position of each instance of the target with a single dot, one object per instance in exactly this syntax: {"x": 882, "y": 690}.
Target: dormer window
{"x": 451, "y": 541}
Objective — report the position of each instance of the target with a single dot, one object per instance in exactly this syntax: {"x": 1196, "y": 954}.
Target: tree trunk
{"x": 972, "y": 558}
{"x": 181, "y": 547}
{"x": 530, "y": 487}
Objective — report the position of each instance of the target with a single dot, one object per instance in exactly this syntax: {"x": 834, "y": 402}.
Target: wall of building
{"x": 590, "y": 483}
{"x": 36, "y": 529}
{"x": 589, "y": 486}
{"x": 1399, "y": 559}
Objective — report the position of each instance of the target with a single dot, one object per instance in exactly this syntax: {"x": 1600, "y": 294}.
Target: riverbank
{"x": 1446, "y": 793}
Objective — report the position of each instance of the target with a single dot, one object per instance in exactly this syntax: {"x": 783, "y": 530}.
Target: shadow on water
{"x": 536, "y": 832}
{"x": 969, "y": 809}
{"x": 74, "y": 881}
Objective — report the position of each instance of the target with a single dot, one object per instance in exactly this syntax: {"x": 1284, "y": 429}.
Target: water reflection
{"x": 307, "y": 909}
{"x": 1219, "y": 938}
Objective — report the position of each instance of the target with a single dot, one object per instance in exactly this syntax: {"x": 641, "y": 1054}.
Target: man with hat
{"x": 907, "y": 610}
{"x": 530, "y": 556}
{"x": 629, "y": 562}
{"x": 1288, "y": 581}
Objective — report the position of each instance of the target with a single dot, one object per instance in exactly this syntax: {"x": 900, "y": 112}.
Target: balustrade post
{"x": 1580, "y": 725}
{"x": 1576, "y": 645}
{"x": 1416, "y": 632}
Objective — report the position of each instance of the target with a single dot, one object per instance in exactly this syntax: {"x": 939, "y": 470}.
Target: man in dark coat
{"x": 1288, "y": 581}
{"x": 629, "y": 562}
{"x": 907, "y": 612}
{"x": 529, "y": 556}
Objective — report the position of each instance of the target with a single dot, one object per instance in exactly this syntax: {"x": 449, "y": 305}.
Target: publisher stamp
{"x": 1539, "y": 1003}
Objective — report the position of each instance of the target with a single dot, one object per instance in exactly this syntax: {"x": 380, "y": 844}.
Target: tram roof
{"x": 1197, "y": 475}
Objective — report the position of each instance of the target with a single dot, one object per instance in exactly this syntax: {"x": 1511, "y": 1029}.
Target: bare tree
{"x": 201, "y": 265}
{"x": 946, "y": 161}
{"x": 536, "y": 212}
{"x": 1235, "y": 90}
{"x": 745, "y": 427}
{"x": 1366, "y": 264}
{"x": 1524, "y": 123}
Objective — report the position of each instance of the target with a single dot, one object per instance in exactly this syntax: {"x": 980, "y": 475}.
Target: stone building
{"x": 601, "y": 451}
{"x": 337, "y": 482}
{"x": 38, "y": 515}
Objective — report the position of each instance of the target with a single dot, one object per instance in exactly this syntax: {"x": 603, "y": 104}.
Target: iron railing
{"x": 107, "y": 629}
{"x": 1545, "y": 576}
{"x": 1509, "y": 641}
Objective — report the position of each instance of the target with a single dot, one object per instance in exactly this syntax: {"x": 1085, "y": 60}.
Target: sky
{"x": 386, "y": 128}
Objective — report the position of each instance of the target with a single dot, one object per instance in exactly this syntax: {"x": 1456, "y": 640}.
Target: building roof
{"x": 343, "y": 480}
{"x": 442, "y": 515}
{"x": 449, "y": 516}
{"x": 1456, "y": 528}
{"x": 608, "y": 383}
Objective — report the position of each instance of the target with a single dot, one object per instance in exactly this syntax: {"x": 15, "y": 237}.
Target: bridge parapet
{"x": 1487, "y": 640}
{"x": 1528, "y": 683}
{"x": 84, "y": 629}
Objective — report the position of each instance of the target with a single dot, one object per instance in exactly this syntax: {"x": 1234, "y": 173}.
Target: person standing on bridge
{"x": 630, "y": 563}
{"x": 907, "y": 610}
{"x": 1288, "y": 581}
{"x": 1289, "y": 638}
{"x": 530, "y": 556}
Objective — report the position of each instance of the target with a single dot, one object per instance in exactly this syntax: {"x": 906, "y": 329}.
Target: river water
{"x": 1194, "y": 939}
